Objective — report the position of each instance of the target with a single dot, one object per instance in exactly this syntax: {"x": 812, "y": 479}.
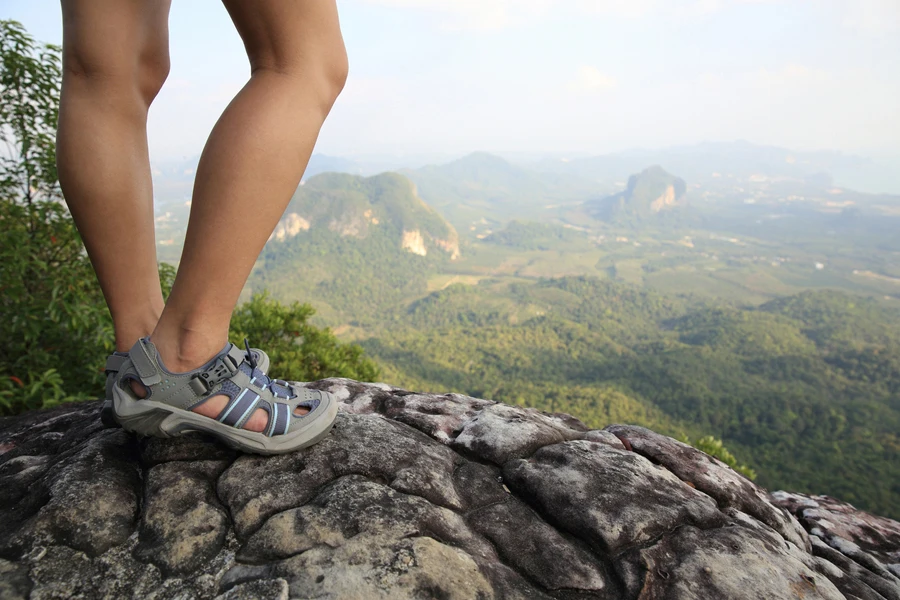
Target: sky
{"x": 560, "y": 76}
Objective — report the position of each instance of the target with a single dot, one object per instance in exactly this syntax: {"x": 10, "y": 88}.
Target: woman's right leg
{"x": 115, "y": 59}
{"x": 250, "y": 168}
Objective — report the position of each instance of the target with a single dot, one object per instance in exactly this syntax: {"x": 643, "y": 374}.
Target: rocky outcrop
{"x": 413, "y": 242}
{"x": 415, "y": 496}
{"x": 665, "y": 200}
{"x": 289, "y": 226}
{"x": 862, "y": 545}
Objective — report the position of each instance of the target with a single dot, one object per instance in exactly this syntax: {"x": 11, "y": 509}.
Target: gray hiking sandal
{"x": 166, "y": 411}
{"x": 114, "y": 364}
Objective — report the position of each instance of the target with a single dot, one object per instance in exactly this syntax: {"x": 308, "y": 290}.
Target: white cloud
{"x": 794, "y": 105}
{"x": 873, "y": 16}
{"x": 590, "y": 79}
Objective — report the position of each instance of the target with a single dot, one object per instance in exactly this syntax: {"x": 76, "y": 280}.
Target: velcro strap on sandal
{"x": 144, "y": 363}
{"x": 114, "y": 363}
{"x": 224, "y": 367}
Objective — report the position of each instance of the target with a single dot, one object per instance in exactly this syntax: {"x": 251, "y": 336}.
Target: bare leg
{"x": 252, "y": 164}
{"x": 115, "y": 59}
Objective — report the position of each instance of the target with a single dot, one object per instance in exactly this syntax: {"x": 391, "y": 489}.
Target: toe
{"x": 257, "y": 421}
{"x": 138, "y": 388}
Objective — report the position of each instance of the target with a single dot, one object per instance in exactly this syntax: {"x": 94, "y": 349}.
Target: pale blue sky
{"x": 585, "y": 76}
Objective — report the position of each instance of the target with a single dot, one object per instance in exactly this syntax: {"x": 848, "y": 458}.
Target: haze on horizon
{"x": 447, "y": 77}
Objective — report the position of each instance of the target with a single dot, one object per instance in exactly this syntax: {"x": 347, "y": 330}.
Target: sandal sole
{"x": 150, "y": 418}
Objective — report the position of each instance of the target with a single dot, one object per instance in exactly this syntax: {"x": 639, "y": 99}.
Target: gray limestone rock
{"x": 612, "y": 499}
{"x": 725, "y": 562}
{"x": 260, "y": 589}
{"x": 864, "y": 547}
{"x": 711, "y": 476}
{"x": 14, "y": 581}
{"x": 183, "y": 524}
{"x": 499, "y": 432}
{"x": 541, "y": 552}
{"x": 91, "y": 498}
{"x": 415, "y": 495}
{"x": 842, "y": 524}
{"x": 368, "y": 445}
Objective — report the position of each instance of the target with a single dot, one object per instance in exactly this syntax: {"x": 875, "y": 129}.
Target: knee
{"x": 152, "y": 72}
{"x": 131, "y": 78}
{"x": 323, "y": 72}
{"x": 338, "y": 70}
{"x": 334, "y": 72}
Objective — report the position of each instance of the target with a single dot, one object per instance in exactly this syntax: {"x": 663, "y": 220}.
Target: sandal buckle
{"x": 201, "y": 383}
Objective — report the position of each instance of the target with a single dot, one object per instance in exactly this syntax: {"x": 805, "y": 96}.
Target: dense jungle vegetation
{"x": 805, "y": 389}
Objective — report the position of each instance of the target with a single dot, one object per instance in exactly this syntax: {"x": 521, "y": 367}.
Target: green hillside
{"x": 352, "y": 205}
{"x": 354, "y": 245}
{"x": 790, "y": 387}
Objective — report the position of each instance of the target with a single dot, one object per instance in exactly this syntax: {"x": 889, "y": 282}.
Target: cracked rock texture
{"x": 416, "y": 496}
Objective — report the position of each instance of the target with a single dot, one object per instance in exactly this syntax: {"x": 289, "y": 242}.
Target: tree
{"x": 54, "y": 323}
{"x": 30, "y": 78}
{"x": 298, "y": 350}
{"x": 715, "y": 448}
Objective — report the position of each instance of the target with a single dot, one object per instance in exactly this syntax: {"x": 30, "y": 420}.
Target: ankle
{"x": 187, "y": 349}
{"x": 127, "y": 336}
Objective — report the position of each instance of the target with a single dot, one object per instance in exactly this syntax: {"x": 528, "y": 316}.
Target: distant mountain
{"x": 648, "y": 193}
{"x": 351, "y": 245}
{"x": 350, "y": 205}
{"x": 372, "y": 164}
{"x": 478, "y": 178}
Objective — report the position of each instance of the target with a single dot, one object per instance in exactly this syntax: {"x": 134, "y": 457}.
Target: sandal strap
{"x": 237, "y": 411}
{"x": 279, "y": 419}
{"x": 144, "y": 364}
{"x": 114, "y": 362}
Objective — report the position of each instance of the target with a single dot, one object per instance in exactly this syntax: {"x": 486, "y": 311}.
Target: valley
{"x": 759, "y": 306}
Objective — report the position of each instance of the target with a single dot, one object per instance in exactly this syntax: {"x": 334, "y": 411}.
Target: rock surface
{"x": 416, "y": 496}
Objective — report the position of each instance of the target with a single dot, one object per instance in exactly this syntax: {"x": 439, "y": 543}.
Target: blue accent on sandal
{"x": 243, "y": 420}
{"x": 231, "y": 406}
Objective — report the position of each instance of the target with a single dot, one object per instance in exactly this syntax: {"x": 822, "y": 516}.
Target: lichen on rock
{"x": 415, "y": 496}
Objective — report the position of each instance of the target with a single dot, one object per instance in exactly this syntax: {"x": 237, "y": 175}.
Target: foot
{"x": 214, "y": 406}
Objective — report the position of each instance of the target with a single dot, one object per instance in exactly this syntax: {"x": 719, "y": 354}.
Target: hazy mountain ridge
{"x": 485, "y": 187}
{"x": 741, "y": 160}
